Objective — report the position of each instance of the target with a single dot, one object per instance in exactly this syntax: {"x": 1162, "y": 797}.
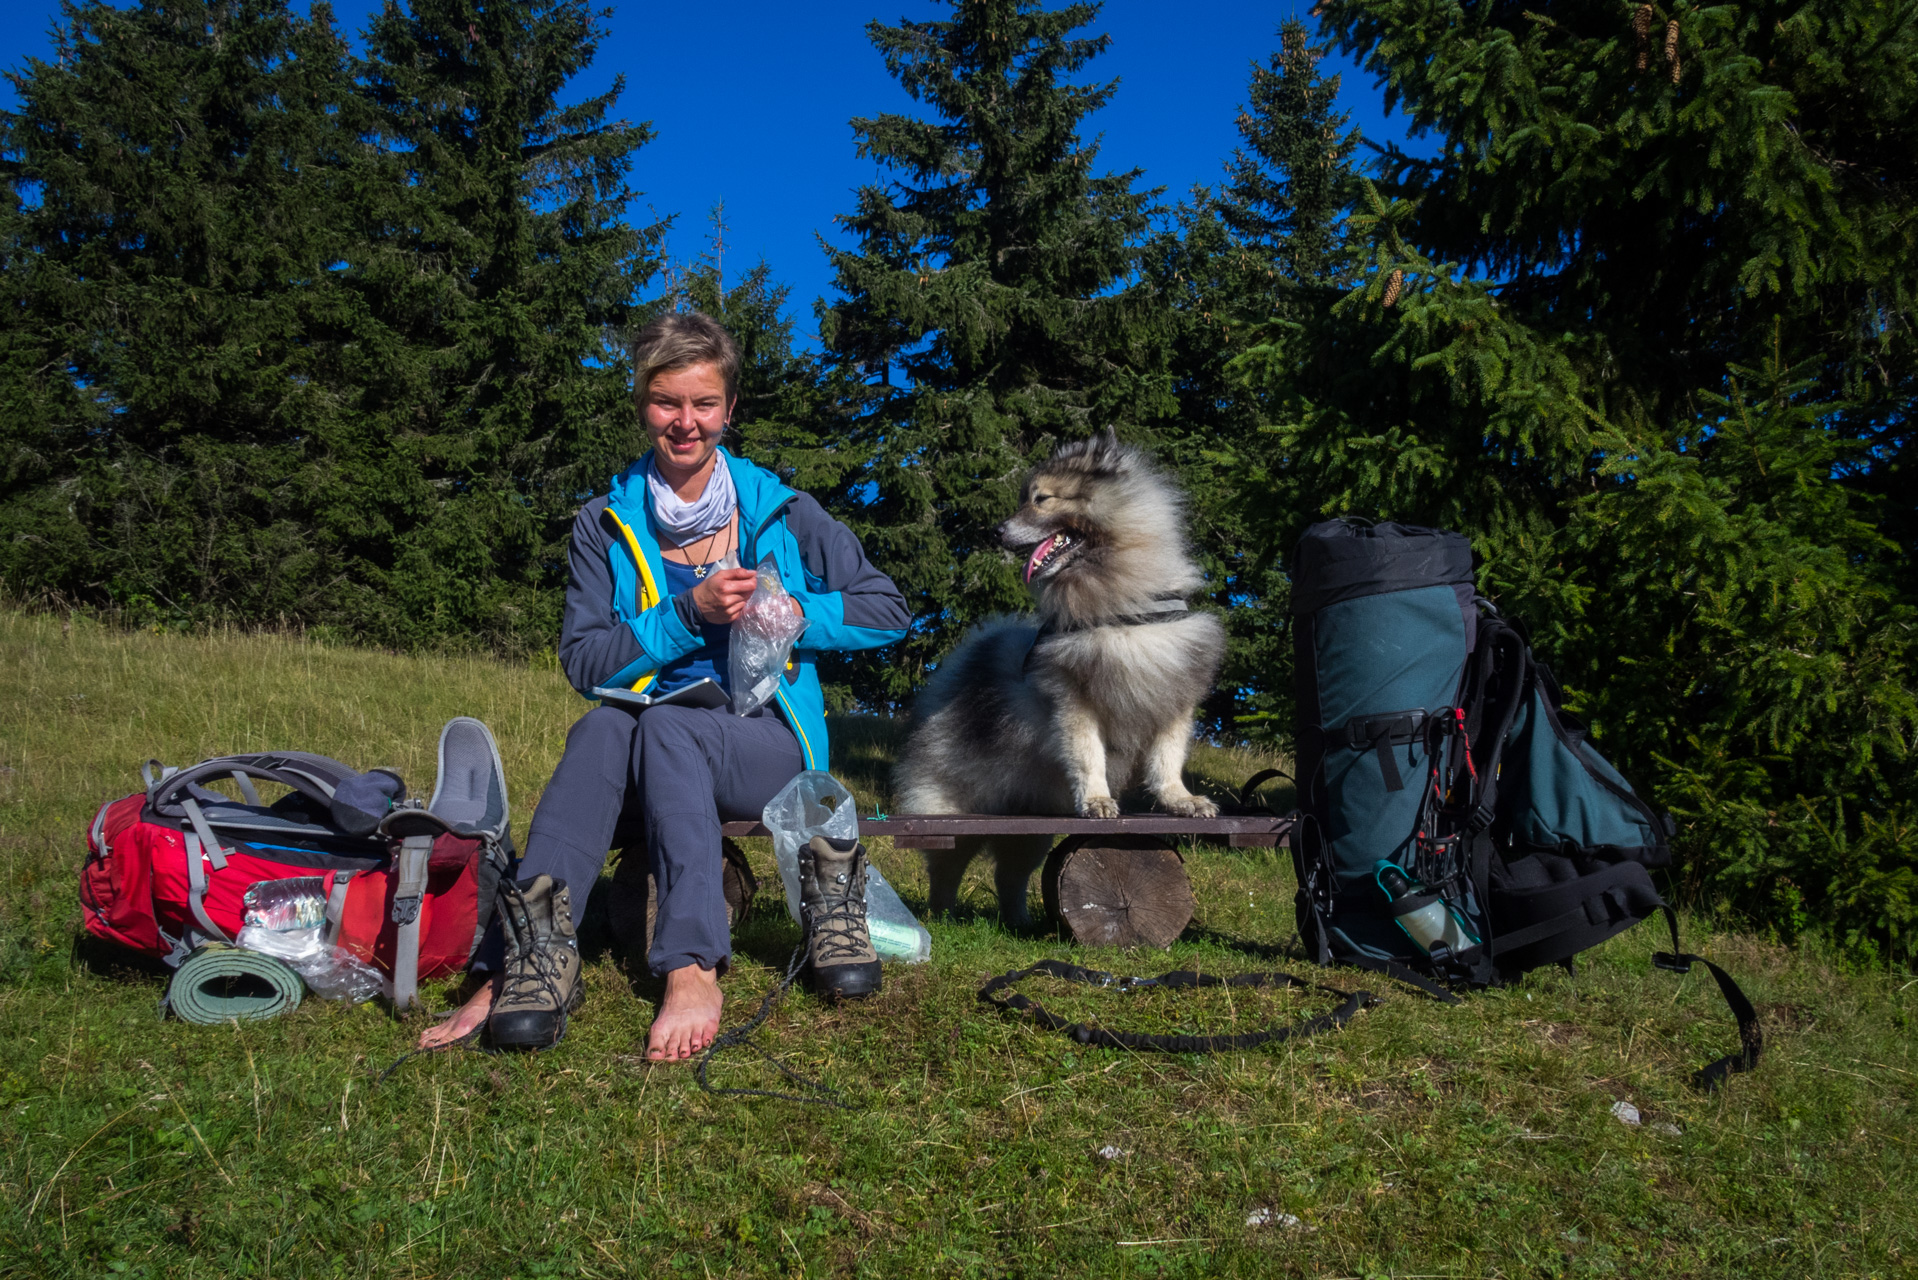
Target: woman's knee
{"x": 600, "y": 727}
{"x": 671, "y": 724}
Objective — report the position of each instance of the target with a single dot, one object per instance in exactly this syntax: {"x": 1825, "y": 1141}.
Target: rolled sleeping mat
{"x": 219, "y": 983}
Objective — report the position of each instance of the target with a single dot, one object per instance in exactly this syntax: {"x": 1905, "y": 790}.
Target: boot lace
{"x": 535, "y": 980}
{"x": 536, "y": 977}
{"x": 839, "y": 930}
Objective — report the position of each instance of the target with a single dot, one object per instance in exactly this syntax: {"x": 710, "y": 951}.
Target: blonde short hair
{"x": 679, "y": 340}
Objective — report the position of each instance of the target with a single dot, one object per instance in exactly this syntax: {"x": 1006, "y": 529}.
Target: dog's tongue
{"x": 1038, "y": 554}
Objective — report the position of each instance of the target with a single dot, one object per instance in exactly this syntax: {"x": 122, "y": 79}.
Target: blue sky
{"x": 751, "y": 102}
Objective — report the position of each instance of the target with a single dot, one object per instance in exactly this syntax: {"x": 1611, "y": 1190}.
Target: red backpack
{"x": 167, "y": 869}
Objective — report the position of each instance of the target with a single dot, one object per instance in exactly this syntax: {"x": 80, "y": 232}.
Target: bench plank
{"x": 921, "y": 831}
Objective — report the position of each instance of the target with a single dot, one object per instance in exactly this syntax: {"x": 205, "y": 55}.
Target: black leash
{"x": 742, "y": 1035}
{"x": 1100, "y": 1037}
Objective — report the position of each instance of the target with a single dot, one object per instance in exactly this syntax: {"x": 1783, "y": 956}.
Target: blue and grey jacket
{"x": 618, "y": 630}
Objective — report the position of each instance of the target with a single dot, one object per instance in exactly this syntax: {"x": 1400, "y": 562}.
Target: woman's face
{"x": 685, "y": 411}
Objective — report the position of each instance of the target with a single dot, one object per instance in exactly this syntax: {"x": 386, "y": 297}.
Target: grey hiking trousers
{"x": 662, "y": 779}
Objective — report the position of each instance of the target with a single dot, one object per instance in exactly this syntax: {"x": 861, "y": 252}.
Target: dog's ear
{"x": 1100, "y": 452}
{"x": 1096, "y": 455}
{"x": 1106, "y": 454}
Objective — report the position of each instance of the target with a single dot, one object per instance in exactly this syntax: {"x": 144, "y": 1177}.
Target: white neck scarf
{"x": 685, "y": 522}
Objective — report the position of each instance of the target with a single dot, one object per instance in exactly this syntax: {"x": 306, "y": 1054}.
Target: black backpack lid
{"x": 1346, "y": 559}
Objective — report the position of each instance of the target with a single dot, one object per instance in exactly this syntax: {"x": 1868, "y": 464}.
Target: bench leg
{"x": 1118, "y": 891}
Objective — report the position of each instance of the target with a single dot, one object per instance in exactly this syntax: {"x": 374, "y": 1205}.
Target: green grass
{"x": 1422, "y": 1140}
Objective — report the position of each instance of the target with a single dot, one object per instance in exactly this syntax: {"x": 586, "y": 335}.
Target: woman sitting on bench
{"x": 649, "y": 605}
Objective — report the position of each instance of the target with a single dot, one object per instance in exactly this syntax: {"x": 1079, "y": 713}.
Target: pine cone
{"x": 1393, "y": 286}
{"x": 1642, "y": 29}
{"x": 1671, "y": 47}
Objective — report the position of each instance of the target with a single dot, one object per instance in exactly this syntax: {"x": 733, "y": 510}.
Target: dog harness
{"x": 1166, "y": 608}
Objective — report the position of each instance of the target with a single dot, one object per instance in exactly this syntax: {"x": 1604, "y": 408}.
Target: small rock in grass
{"x": 1112, "y": 1153}
{"x": 1666, "y": 1126}
{"x": 1626, "y": 1112}
{"x": 1267, "y": 1218}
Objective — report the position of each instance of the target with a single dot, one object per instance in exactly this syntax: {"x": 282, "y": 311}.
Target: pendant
{"x": 699, "y": 570}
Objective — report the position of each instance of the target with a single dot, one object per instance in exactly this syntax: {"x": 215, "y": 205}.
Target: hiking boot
{"x": 832, "y": 910}
{"x": 541, "y": 983}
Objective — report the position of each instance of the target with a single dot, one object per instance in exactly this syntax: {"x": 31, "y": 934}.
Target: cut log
{"x": 632, "y": 905}
{"x": 1118, "y": 891}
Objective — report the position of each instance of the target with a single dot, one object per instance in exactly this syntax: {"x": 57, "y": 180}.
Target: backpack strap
{"x": 1393, "y": 969}
{"x": 1751, "y": 1038}
{"x": 215, "y": 851}
{"x": 1247, "y": 804}
{"x": 416, "y": 829}
{"x": 1606, "y": 903}
{"x": 408, "y": 894}
{"x": 1501, "y": 677}
{"x": 1381, "y": 733}
{"x": 1100, "y": 1037}
{"x": 247, "y": 791}
{"x": 307, "y": 774}
{"x": 336, "y": 907}
{"x": 196, "y": 888}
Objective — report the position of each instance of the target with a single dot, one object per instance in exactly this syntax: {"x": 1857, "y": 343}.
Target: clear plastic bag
{"x": 296, "y": 903}
{"x": 286, "y": 919}
{"x": 762, "y": 641}
{"x": 815, "y": 804}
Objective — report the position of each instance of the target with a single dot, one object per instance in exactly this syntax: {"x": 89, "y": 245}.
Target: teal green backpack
{"x": 1457, "y": 826}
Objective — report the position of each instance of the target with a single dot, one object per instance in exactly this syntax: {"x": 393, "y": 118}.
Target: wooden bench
{"x": 1111, "y": 882}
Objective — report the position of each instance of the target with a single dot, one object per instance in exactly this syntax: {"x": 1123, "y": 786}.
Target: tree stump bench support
{"x": 1109, "y": 882}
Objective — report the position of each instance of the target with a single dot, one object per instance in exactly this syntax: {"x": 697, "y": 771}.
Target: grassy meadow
{"x": 1422, "y": 1140}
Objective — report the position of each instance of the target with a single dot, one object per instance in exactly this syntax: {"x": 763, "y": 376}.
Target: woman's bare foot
{"x": 688, "y": 1017}
{"x": 462, "y": 1024}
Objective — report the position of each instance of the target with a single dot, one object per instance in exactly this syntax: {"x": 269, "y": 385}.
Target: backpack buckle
{"x": 415, "y": 850}
{"x": 1671, "y": 963}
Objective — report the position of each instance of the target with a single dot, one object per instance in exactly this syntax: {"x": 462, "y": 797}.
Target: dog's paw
{"x": 1098, "y": 807}
{"x": 1190, "y": 806}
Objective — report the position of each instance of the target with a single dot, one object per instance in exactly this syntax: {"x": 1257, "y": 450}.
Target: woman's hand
{"x": 721, "y": 595}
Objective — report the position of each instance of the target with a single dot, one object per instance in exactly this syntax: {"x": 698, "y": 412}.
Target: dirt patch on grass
{"x": 1557, "y": 1034}
{"x": 1783, "y": 1015}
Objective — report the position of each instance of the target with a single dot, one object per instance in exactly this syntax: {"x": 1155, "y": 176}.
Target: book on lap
{"x": 700, "y": 693}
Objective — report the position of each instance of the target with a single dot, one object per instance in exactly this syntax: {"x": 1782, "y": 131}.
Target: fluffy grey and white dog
{"x": 1059, "y": 712}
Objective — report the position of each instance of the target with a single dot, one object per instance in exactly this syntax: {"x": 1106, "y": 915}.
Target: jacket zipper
{"x": 752, "y": 560}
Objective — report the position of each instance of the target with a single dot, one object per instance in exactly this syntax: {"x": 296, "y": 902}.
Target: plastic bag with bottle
{"x": 815, "y": 804}
{"x": 286, "y": 919}
{"x": 762, "y": 641}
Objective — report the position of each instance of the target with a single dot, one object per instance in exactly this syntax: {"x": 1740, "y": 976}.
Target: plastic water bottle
{"x": 1430, "y": 926}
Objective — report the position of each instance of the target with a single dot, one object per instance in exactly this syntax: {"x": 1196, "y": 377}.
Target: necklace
{"x": 700, "y": 570}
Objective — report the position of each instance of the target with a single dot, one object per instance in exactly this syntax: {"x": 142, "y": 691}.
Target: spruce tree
{"x": 1270, "y": 242}
{"x": 1643, "y": 329}
{"x": 499, "y": 266}
{"x": 175, "y": 178}
{"x": 306, "y": 340}
{"x": 1667, "y": 181}
{"x": 1726, "y": 616}
{"x": 1290, "y": 184}
{"x": 781, "y": 403}
{"x": 990, "y": 308}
